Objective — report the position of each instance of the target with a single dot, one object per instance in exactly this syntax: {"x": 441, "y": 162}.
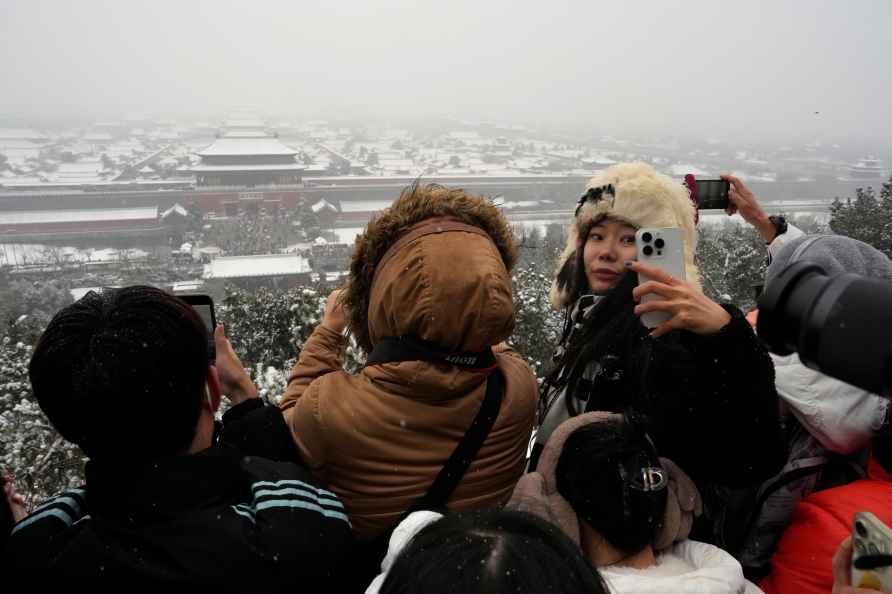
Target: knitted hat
{"x": 636, "y": 194}
{"x": 836, "y": 254}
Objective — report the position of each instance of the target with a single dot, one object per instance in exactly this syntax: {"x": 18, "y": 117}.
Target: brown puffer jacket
{"x": 425, "y": 268}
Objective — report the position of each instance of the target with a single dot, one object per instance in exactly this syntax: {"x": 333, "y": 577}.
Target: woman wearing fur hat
{"x": 433, "y": 268}
{"x": 701, "y": 380}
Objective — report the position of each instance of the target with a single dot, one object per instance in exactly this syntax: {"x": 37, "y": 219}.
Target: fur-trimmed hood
{"x": 635, "y": 194}
{"x": 435, "y": 264}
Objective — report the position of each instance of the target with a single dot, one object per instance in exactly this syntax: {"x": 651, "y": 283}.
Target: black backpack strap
{"x": 409, "y": 348}
{"x": 454, "y": 469}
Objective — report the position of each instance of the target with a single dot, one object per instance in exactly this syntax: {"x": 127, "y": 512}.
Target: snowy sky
{"x": 754, "y": 68}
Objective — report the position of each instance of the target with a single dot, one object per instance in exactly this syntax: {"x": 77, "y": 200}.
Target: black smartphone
{"x": 712, "y": 194}
{"x": 204, "y": 305}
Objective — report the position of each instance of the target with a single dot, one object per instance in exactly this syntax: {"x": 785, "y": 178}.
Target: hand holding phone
{"x": 871, "y": 553}
{"x": 204, "y": 306}
{"x": 661, "y": 248}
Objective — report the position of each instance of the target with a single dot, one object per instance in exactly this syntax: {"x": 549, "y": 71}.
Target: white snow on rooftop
{"x": 247, "y": 146}
{"x": 252, "y": 266}
{"x": 176, "y": 208}
{"x": 682, "y": 169}
{"x": 364, "y": 205}
{"x": 519, "y": 204}
{"x": 33, "y": 217}
{"x": 244, "y": 123}
{"x": 323, "y": 204}
{"x": 348, "y": 235}
{"x": 22, "y": 134}
{"x": 220, "y": 168}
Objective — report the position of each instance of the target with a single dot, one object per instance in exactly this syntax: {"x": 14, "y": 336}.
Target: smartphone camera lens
{"x": 860, "y": 529}
{"x": 659, "y": 243}
{"x": 646, "y": 238}
{"x": 647, "y": 250}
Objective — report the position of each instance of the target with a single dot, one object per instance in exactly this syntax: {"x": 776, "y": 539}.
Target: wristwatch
{"x": 780, "y": 225}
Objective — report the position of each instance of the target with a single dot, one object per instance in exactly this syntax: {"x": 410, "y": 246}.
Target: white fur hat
{"x": 635, "y": 194}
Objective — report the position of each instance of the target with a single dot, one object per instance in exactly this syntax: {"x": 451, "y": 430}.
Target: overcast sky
{"x": 703, "y": 67}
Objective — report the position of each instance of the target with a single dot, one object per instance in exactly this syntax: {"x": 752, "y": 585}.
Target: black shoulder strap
{"x": 409, "y": 348}
{"x": 461, "y": 458}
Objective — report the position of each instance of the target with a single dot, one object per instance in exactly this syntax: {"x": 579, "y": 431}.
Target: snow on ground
{"x": 35, "y": 253}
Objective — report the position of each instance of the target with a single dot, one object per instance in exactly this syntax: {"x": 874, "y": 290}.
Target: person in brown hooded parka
{"x": 434, "y": 266}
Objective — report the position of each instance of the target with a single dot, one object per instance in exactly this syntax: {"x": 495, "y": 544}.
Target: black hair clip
{"x": 595, "y": 195}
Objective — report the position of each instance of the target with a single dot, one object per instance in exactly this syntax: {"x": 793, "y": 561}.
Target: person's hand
{"x": 690, "y": 308}
{"x": 235, "y": 382}
{"x": 16, "y": 502}
{"x": 743, "y": 201}
{"x": 334, "y": 317}
{"x": 842, "y": 571}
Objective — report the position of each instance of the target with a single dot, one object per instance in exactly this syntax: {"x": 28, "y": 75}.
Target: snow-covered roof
{"x": 21, "y": 134}
{"x": 223, "y": 168}
{"x": 187, "y": 286}
{"x": 364, "y": 205}
{"x": 681, "y": 169}
{"x": 519, "y": 204}
{"x": 175, "y": 209}
{"x": 254, "y": 266}
{"x": 246, "y": 133}
{"x": 33, "y": 217}
{"x": 323, "y": 204}
{"x": 78, "y": 292}
{"x": 244, "y": 123}
{"x": 15, "y": 143}
{"x": 246, "y": 146}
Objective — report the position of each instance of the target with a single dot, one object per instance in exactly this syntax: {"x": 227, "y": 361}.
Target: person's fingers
{"x": 654, "y": 273}
{"x": 643, "y": 308}
{"x": 666, "y": 327}
{"x": 731, "y": 179}
{"x": 659, "y": 288}
{"x": 842, "y": 559}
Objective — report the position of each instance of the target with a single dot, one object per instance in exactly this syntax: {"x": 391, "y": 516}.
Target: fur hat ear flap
{"x": 564, "y": 283}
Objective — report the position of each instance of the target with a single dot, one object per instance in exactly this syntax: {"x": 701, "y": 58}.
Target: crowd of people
{"x": 675, "y": 457}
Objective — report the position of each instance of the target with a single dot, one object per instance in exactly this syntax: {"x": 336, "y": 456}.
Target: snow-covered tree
{"x": 268, "y": 328}
{"x": 867, "y": 217}
{"x": 537, "y": 326}
{"x": 26, "y": 307}
{"x": 41, "y": 461}
{"x": 732, "y": 259}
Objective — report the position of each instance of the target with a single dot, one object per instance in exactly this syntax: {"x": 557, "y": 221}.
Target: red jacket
{"x": 802, "y": 561}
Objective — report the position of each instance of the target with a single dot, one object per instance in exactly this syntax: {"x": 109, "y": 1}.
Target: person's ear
{"x": 213, "y": 389}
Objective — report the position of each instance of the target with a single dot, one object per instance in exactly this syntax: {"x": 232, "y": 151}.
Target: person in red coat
{"x": 803, "y": 560}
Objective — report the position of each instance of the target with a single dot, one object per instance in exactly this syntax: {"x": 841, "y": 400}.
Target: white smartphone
{"x": 870, "y": 537}
{"x": 661, "y": 248}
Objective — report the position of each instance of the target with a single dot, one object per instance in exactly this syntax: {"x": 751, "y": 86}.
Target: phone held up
{"x": 712, "y": 194}
{"x": 871, "y": 550}
{"x": 661, "y": 248}
{"x": 204, "y": 305}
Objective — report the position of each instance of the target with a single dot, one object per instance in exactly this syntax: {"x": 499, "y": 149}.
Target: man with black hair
{"x": 125, "y": 375}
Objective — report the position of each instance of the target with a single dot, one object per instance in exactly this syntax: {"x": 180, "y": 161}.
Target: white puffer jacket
{"x": 840, "y": 416}
{"x": 689, "y": 567}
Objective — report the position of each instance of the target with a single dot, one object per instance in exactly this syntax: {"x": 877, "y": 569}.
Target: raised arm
{"x": 321, "y": 353}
